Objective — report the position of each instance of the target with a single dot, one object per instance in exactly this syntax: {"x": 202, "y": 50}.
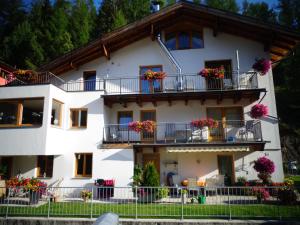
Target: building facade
{"x": 73, "y": 126}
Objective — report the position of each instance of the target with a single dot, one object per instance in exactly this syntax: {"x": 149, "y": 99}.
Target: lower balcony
{"x": 164, "y": 134}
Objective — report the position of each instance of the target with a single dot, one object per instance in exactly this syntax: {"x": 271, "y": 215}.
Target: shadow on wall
{"x": 95, "y": 107}
{"x": 122, "y": 155}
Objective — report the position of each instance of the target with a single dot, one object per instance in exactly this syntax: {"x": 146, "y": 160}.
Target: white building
{"x": 66, "y": 126}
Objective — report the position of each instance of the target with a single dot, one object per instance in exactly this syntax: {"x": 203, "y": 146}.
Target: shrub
{"x": 261, "y": 193}
{"x": 287, "y": 196}
{"x": 265, "y": 167}
{"x": 163, "y": 192}
{"x": 86, "y": 194}
{"x": 241, "y": 181}
{"x": 137, "y": 175}
{"x": 150, "y": 176}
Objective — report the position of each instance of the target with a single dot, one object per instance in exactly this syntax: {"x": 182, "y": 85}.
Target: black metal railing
{"x": 134, "y": 85}
{"x": 180, "y": 83}
{"x": 225, "y": 131}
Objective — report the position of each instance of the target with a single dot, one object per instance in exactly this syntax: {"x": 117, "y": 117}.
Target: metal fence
{"x": 180, "y": 83}
{"x": 145, "y": 202}
{"x": 231, "y": 131}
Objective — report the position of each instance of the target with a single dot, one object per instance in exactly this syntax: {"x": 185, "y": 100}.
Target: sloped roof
{"x": 279, "y": 40}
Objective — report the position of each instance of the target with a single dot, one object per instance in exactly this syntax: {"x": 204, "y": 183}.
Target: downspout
{"x": 172, "y": 60}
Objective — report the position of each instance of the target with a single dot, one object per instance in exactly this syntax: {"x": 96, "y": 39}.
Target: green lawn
{"x": 78, "y": 209}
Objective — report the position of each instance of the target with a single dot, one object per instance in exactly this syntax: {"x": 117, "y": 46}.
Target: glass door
{"x": 148, "y": 115}
{"x": 150, "y": 86}
{"x": 225, "y": 165}
{"x": 216, "y": 133}
{"x": 215, "y": 83}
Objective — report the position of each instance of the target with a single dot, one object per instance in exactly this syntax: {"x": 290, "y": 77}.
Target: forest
{"x": 35, "y": 32}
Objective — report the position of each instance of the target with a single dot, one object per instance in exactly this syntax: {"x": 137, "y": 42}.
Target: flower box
{"x": 151, "y": 75}
{"x": 218, "y": 73}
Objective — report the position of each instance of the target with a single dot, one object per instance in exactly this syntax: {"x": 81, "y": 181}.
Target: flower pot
{"x": 34, "y": 197}
{"x": 201, "y": 199}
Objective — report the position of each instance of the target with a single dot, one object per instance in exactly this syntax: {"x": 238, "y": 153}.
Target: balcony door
{"x": 227, "y": 82}
{"x": 148, "y": 115}
{"x": 226, "y": 168}
{"x": 228, "y": 117}
{"x": 89, "y": 78}
{"x": 146, "y": 86}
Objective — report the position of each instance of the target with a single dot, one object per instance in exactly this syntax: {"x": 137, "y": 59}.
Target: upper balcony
{"x": 181, "y": 87}
{"x": 233, "y": 133}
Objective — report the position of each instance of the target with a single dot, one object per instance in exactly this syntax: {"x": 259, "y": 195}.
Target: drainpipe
{"x": 172, "y": 60}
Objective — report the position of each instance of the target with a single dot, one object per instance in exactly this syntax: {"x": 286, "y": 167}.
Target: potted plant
{"x": 163, "y": 192}
{"x": 287, "y": 194}
{"x": 35, "y": 188}
{"x": 258, "y": 111}
{"x": 26, "y": 75}
{"x": 265, "y": 167}
{"x": 217, "y": 73}
{"x": 86, "y": 195}
{"x": 150, "y": 75}
{"x": 261, "y": 194}
{"x": 148, "y": 192}
{"x": 262, "y": 66}
{"x": 137, "y": 126}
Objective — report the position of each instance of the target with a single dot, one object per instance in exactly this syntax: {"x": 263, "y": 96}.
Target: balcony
{"x": 226, "y": 133}
{"x": 181, "y": 87}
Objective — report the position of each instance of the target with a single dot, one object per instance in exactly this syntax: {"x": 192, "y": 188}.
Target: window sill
{"x": 44, "y": 178}
{"x": 78, "y": 128}
{"x": 19, "y": 126}
{"x": 57, "y": 127}
{"x": 81, "y": 178}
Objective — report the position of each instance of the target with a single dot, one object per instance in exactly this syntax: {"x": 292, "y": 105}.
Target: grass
{"x": 78, "y": 209}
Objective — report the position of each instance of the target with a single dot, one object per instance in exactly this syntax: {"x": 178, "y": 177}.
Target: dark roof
{"x": 7, "y": 67}
{"x": 277, "y": 39}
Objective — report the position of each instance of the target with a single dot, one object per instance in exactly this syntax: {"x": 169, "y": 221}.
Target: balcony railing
{"x": 182, "y": 83}
{"x": 227, "y": 131}
{"x": 134, "y": 85}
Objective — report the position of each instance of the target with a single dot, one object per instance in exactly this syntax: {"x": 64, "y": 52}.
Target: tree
{"x": 22, "y": 48}
{"x": 80, "y": 24}
{"x": 150, "y": 176}
{"x": 119, "y": 20}
{"x": 105, "y": 17}
{"x": 135, "y": 9}
{"x": 259, "y": 10}
{"x": 289, "y": 13}
{"x": 229, "y": 5}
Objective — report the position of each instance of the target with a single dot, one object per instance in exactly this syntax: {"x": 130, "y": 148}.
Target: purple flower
{"x": 264, "y": 165}
{"x": 259, "y": 110}
{"x": 262, "y": 65}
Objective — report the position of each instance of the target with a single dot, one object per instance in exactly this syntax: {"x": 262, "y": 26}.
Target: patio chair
{"x": 249, "y": 128}
{"x": 170, "y": 132}
{"x": 227, "y": 83}
{"x": 200, "y": 135}
{"x": 54, "y": 190}
{"x": 114, "y": 134}
{"x": 170, "y": 86}
{"x": 211, "y": 185}
{"x": 176, "y": 184}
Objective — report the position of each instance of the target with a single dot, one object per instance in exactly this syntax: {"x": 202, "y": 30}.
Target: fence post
{"x": 48, "y": 213}
{"x": 92, "y": 203}
{"x": 182, "y": 202}
{"x": 6, "y": 215}
{"x": 136, "y": 202}
{"x": 229, "y": 203}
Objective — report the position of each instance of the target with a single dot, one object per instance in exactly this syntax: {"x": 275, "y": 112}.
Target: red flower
{"x": 262, "y": 66}
{"x": 258, "y": 111}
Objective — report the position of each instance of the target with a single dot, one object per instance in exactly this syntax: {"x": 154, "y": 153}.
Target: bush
{"x": 241, "y": 181}
{"x": 265, "y": 167}
{"x": 137, "y": 176}
{"x": 163, "y": 192}
{"x": 150, "y": 176}
{"x": 287, "y": 196}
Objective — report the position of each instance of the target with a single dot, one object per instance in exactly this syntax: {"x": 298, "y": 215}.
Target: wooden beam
{"x": 186, "y": 101}
{"x": 170, "y": 102}
{"x": 106, "y": 52}
{"x": 152, "y": 32}
{"x": 154, "y": 102}
{"x": 216, "y": 27}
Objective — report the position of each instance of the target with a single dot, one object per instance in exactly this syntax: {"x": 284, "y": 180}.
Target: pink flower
{"x": 262, "y": 66}
{"x": 259, "y": 110}
{"x": 264, "y": 165}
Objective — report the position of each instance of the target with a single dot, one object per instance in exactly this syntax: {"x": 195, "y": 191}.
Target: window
{"x": 184, "y": 40}
{"x": 45, "y": 166}
{"x": 21, "y": 112}
{"x": 232, "y": 116}
{"x": 124, "y": 118}
{"x": 150, "y": 87}
{"x": 89, "y": 78}
{"x": 56, "y": 113}
{"x": 79, "y": 118}
{"x": 84, "y": 163}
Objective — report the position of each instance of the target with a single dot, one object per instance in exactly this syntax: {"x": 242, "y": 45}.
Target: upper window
{"x": 184, "y": 40}
{"x": 56, "y": 113}
{"x": 78, "y": 118}
{"x": 124, "y": 118}
{"x": 45, "y": 166}
{"x": 23, "y": 112}
{"x": 84, "y": 164}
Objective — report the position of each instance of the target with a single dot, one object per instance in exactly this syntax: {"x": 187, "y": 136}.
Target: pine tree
{"x": 22, "y": 48}
{"x": 80, "y": 26}
{"x": 229, "y": 5}
{"x": 135, "y": 9}
{"x": 259, "y": 10}
{"x": 119, "y": 20}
